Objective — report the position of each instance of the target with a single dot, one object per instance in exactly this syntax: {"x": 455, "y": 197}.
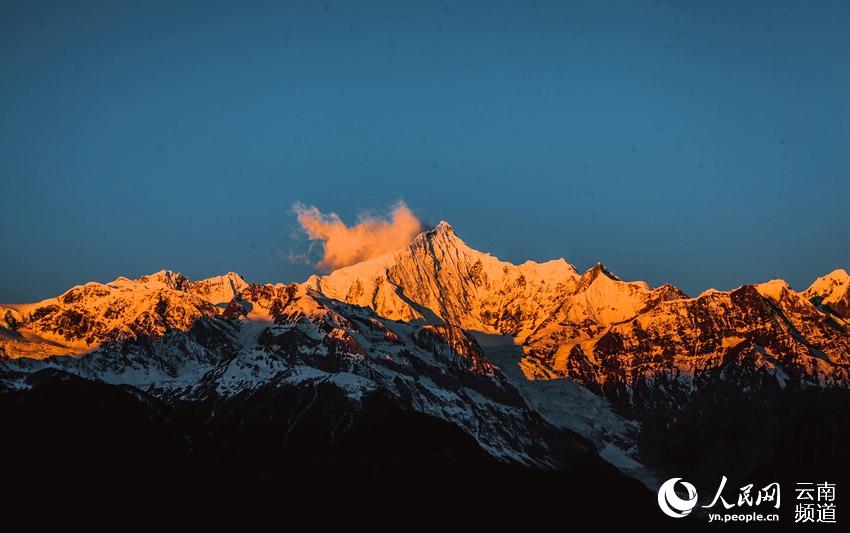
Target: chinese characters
{"x": 815, "y": 503}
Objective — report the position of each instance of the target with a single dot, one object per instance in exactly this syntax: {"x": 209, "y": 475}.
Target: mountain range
{"x": 441, "y": 362}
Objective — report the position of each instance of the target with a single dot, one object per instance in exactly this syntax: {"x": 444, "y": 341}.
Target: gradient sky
{"x": 705, "y": 144}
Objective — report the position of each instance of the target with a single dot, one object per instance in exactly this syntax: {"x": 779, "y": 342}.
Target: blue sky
{"x": 705, "y": 144}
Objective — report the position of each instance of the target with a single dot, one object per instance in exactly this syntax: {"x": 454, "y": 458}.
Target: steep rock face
{"x": 627, "y": 341}
{"x": 653, "y": 355}
{"x": 439, "y": 278}
{"x": 292, "y": 336}
{"x": 681, "y": 345}
{"x": 218, "y": 290}
{"x": 597, "y": 303}
{"x": 86, "y": 316}
{"x": 90, "y": 315}
{"x": 436, "y": 370}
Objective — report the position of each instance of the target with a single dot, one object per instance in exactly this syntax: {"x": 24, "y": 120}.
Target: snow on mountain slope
{"x": 289, "y": 335}
{"x": 439, "y": 278}
{"x": 597, "y": 302}
{"x": 833, "y": 292}
{"x": 218, "y": 290}
{"x": 400, "y": 323}
{"x": 568, "y": 405}
{"x": 606, "y": 333}
{"x": 88, "y": 315}
{"x": 681, "y": 345}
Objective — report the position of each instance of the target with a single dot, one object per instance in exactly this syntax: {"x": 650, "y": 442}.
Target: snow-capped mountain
{"x": 159, "y": 334}
{"x": 529, "y": 360}
{"x": 86, "y": 316}
{"x": 439, "y": 278}
{"x": 615, "y": 337}
{"x": 832, "y": 292}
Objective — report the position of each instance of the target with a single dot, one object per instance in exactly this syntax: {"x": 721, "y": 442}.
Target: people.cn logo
{"x": 671, "y": 503}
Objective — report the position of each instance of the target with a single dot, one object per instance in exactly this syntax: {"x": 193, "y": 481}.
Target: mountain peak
{"x": 442, "y": 236}
{"x": 166, "y": 278}
{"x": 219, "y": 290}
{"x": 832, "y": 291}
{"x": 773, "y": 289}
{"x": 231, "y": 277}
{"x": 838, "y": 274}
{"x": 597, "y": 269}
{"x": 825, "y": 284}
{"x": 444, "y": 227}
